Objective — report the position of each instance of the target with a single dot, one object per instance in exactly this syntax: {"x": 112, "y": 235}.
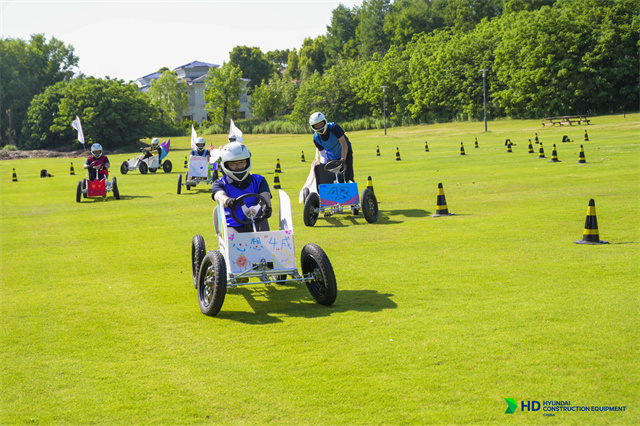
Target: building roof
{"x": 196, "y": 64}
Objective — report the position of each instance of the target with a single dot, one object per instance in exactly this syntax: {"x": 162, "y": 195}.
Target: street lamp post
{"x": 384, "y": 109}
{"x": 484, "y": 93}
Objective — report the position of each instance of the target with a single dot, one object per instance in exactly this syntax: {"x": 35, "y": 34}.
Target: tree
{"x": 278, "y": 58}
{"x": 274, "y": 99}
{"x": 113, "y": 114}
{"x": 223, "y": 87}
{"x": 341, "y": 31}
{"x": 369, "y": 34}
{"x": 169, "y": 95}
{"x": 293, "y": 65}
{"x": 252, "y": 63}
{"x": 312, "y": 56}
{"x": 27, "y": 69}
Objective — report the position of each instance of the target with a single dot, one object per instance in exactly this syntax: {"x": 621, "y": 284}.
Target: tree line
{"x": 542, "y": 58}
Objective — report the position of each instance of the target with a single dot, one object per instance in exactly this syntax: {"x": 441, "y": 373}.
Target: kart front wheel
{"x": 311, "y": 206}
{"x": 152, "y": 169}
{"x": 124, "y": 168}
{"x": 143, "y": 168}
{"x": 179, "y": 183}
{"x": 167, "y": 166}
{"x": 212, "y": 283}
{"x": 79, "y": 192}
{"x": 369, "y": 205}
{"x": 84, "y": 188}
{"x": 323, "y": 287}
{"x": 198, "y": 252}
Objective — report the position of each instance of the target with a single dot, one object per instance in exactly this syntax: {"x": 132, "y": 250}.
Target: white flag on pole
{"x": 234, "y": 131}
{"x": 78, "y": 126}
{"x": 194, "y": 137}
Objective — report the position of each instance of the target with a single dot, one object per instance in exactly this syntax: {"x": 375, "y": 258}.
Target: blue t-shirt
{"x": 253, "y": 184}
{"x": 332, "y": 142}
{"x": 204, "y": 153}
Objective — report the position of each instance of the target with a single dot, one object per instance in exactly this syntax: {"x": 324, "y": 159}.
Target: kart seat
{"x": 324, "y": 177}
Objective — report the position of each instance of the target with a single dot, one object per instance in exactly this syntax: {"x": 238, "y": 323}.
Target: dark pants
{"x": 92, "y": 174}
{"x": 348, "y": 174}
{"x": 262, "y": 225}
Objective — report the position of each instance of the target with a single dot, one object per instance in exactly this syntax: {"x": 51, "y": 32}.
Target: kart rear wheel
{"x": 124, "y": 168}
{"x": 167, "y": 166}
{"x": 84, "y": 188}
{"x": 323, "y": 287}
{"x": 212, "y": 283}
{"x": 79, "y": 192}
{"x": 311, "y": 204}
{"x": 198, "y": 252}
{"x": 114, "y": 188}
{"x": 143, "y": 168}
{"x": 152, "y": 169}
{"x": 179, "y": 183}
{"x": 369, "y": 205}
{"x": 305, "y": 194}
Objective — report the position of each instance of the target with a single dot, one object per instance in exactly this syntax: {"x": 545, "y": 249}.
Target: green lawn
{"x": 437, "y": 320}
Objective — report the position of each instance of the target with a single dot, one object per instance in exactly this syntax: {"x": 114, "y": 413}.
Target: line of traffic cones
{"x": 530, "y": 148}
{"x": 591, "y": 235}
{"x": 541, "y": 151}
{"x": 441, "y": 204}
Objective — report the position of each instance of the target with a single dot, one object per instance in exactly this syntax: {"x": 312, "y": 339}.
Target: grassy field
{"x": 437, "y": 320}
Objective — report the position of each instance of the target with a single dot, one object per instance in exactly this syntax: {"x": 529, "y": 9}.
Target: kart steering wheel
{"x": 335, "y": 166}
{"x": 241, "y": 202}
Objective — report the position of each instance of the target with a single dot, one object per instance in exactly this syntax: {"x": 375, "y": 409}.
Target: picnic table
{"x": 567, "y": 119}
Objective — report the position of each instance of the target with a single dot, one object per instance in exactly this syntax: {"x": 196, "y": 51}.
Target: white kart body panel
{"x": 242, "y": 250}
{"x": 198, "y": 167}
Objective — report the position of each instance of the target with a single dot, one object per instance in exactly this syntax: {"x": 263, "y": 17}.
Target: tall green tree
{"x": 279, "y": 58}
{"x": 252, "y": 63}
{"x": 274, "y": 99}
{"x": 223, "y": 88}
{"x": 293, "y": 65}
{"x": 312, "y": 55}
{"x": 341, "y": 34}
{"x": 112, "y": 113}
{"x": 169, "y": 95}
{"x": 370, "y": 31}
{"x": 28, "y": 67}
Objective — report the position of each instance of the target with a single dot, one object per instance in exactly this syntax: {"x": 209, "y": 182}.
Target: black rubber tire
{"x": 114, "y": 188}
{"x": 212, "y": 283}
{"x": 124, "y": 168}
{"x": 314, "y": 260}
{"x": 305, "y": 194}
{"x": 167, "y": 166}
{"x": 152, "y": 170}
{"x": 84, "y": 188}
{"x": 179, "y": 183}
{"x": 369, "y": 205}
{"x": 143, "y": 168}
{"x": 198, "y": 252}
{"x": 79, "y": 192}
{"x": 312, "y": 202}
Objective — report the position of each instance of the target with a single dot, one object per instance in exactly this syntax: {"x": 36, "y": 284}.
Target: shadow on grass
{"x": 270, "y": 303}
{"x": 110, "y": 198}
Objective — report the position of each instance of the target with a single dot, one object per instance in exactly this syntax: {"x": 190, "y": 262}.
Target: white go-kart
{"x": 150, "y": 164}
{"x": 257, "y": 258}
{"x": 200, "y": 171}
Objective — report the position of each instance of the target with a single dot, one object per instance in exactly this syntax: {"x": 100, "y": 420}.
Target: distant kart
{"x": 334, "y": 195}
{"x": 150, "y": 164}
{"x": 96, "y": 188}
{"x": 266, "y": 257}
{"x": 199, "y": 171}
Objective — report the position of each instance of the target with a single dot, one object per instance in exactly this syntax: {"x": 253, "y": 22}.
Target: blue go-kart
{"x": 334, "y": 195}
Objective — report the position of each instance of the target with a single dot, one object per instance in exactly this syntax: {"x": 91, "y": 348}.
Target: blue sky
{"x": 129, "y": 39}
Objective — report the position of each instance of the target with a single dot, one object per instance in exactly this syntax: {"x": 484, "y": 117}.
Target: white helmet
{"x": 318, "y": 122}
{"x": 200, "y": 143}
{"x": 96, "y": 150}
{"x": 155, "y": 142}
{"x": 235, "y": 151}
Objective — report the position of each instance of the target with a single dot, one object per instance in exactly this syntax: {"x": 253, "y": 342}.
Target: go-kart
{"x": 334, "y": 195}
{"x": 265, "y": 257}
{"x": 97, "y": 187}
{"x": 149, "y": 164}
{"x": 199, "y": 171}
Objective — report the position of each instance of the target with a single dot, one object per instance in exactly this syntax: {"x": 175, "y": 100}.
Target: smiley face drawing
{"x": 242, "y": 262}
